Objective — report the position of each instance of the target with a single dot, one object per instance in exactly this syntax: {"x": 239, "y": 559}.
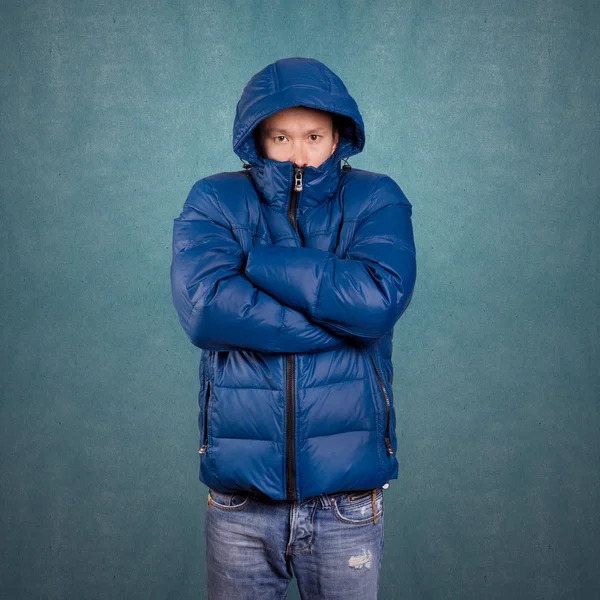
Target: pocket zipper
{"x": 204, "y": 446}
{"x": 388, "y": 443}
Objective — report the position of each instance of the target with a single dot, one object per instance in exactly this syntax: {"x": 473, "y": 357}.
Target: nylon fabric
{"x": 251, "y": 291}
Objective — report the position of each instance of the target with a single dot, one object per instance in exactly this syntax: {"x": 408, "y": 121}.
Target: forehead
{"x": 297, "y": 119}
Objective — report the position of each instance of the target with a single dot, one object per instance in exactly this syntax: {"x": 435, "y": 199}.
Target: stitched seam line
{"x": 245, "y": 438}
{"x": 308, "y": 387}
{"x": 233, "y": 387}
{"x": 280, "y": 328}
{"x": 367, "y": 211}
{"x": 314, "y": 307}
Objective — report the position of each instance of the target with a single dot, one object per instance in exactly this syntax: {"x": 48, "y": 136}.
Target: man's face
{"x": 301, "y": 135}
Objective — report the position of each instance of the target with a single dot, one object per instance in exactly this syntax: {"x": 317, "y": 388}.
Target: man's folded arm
{"x": 362, "y": 295}
{"x": 218, "y": 307}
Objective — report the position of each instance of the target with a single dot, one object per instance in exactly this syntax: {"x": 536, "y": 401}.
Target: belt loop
{"x": 374, "y": 506}
{"x": 324, "y": 501}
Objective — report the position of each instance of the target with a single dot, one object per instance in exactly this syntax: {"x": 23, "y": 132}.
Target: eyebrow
{"x": 272, "y": 130}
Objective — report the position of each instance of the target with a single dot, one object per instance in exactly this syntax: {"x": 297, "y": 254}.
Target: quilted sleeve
{"x": 218, "y": 307}
{"x": 362, "y": 295}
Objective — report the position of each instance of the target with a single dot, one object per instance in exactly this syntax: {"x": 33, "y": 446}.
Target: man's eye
{"x": 279, "y": 137}
{"x": 314, "y": 135}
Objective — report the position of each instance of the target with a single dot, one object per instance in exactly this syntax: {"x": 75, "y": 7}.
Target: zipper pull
{"x": 388, "y": 445}
{"x": 203, "y": 449}
{"x": 297, "y": 179}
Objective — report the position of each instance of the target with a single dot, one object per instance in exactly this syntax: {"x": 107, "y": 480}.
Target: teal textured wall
{"x": 487, "y": 115}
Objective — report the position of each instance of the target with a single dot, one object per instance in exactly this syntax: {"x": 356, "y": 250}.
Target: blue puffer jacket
{"x": 293, "y": 296}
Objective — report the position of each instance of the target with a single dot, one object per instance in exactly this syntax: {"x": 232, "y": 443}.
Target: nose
{"x": 299, "y": 155}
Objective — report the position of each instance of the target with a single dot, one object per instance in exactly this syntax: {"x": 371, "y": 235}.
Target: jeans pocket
{"x": 228, "y": 501}
{"x": 358, "y": 508}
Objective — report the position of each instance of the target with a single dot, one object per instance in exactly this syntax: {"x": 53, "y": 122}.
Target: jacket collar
{"x": 274, "y": 181}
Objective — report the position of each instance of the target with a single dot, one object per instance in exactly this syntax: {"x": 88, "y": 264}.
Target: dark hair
{"x": 257, "y": 140}
{"x": 336, "y": 121}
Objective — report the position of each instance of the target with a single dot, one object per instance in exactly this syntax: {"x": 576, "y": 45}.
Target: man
{"x": 291, "y": 275}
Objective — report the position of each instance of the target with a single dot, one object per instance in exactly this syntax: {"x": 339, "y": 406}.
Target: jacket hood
{"x": 291, "y": 82}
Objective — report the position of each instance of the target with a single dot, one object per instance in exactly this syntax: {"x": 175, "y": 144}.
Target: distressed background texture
{"x": 486, "y": 114}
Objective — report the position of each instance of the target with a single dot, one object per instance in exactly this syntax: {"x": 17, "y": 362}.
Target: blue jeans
{"x": 332, "y": 543}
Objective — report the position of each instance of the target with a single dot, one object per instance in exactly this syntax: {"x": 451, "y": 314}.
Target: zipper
{"x": 293, "y": 205}
{"x": 290, "y": 399}
{"x": 388, "y": 442}
{"x": 204, "y": 446}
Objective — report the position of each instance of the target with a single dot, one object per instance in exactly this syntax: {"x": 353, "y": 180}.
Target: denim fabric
{"x": 331, "y": 543}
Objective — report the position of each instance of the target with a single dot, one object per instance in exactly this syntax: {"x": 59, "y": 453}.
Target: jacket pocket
{"x": 388, "y": 408}
{"x": 204, "y": 420}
